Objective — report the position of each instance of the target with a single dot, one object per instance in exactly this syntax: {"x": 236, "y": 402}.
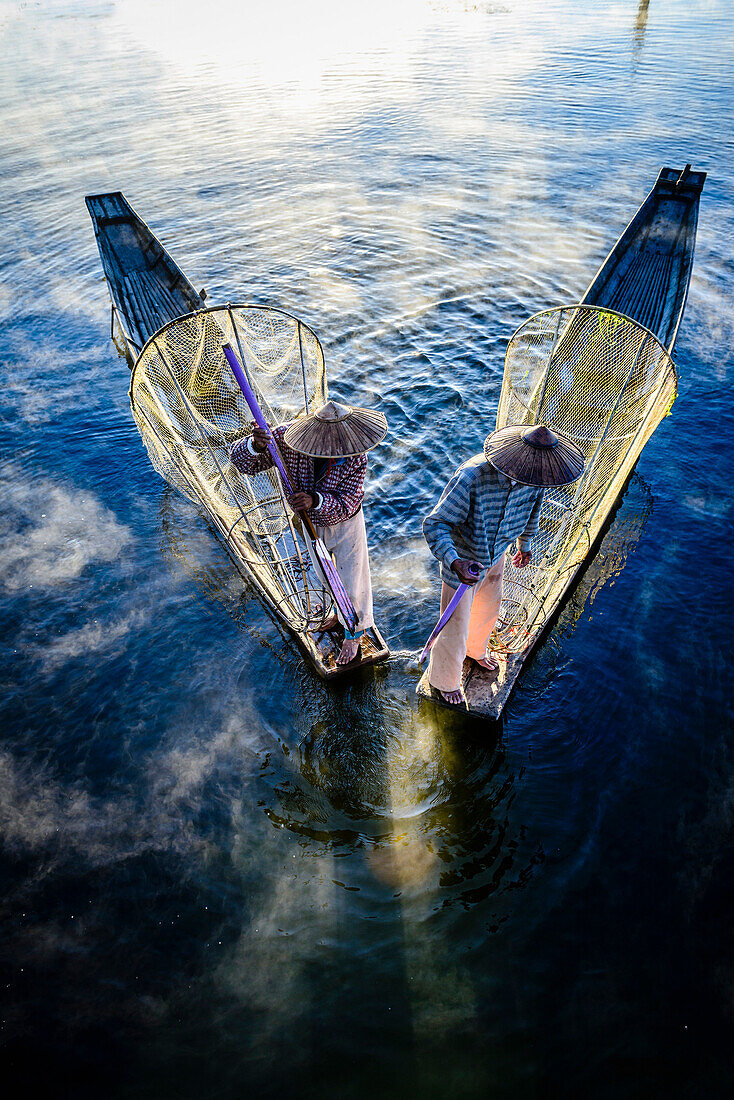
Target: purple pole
{"x": 257, "y": 415}
{"x": 453, "y": 604}
{"x": 341, "y": 596}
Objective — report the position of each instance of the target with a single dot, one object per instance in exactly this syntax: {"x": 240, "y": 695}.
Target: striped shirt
{"x": 479, "y": 514}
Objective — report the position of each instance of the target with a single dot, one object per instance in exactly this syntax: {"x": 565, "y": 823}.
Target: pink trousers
{"x": 467, "y": 631}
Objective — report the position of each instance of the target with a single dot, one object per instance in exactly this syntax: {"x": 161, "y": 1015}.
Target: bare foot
{"x": 349, "y": 651}
{"x": 455, "y": 698}
{"x": 490, "y": 663}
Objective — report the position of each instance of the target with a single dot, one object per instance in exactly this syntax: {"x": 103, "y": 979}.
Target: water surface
{"x": 219, "y": 875}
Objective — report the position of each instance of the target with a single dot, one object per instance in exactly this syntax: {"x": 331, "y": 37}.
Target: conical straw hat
{"x": 534, "y": 455}
{"x": 337, "y": 431}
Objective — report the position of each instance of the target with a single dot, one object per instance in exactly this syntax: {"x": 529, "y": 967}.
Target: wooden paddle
{"x": 342, "y": 600}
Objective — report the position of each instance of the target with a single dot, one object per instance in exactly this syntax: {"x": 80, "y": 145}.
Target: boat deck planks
{"x": 323, "y": 650}
{"x": 645, "y": 277}
{"x": 485, "y": 692}
{"x": 147, "y": 288}
{"x": 646, "y": 274}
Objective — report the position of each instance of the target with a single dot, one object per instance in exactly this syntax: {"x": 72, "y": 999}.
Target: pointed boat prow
{"x": 146, "y": 286}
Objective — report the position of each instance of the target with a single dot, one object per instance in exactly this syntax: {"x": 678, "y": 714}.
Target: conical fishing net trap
{"x": 605, "y": 382}
{"x": 190, "y": 410}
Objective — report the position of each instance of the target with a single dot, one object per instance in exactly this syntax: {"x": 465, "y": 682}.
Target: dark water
{"x": 221, "y": 878}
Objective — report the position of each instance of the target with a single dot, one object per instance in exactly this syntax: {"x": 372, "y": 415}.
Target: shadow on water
{"x": 419, "y": 802}
{"x": 403, "y": 811}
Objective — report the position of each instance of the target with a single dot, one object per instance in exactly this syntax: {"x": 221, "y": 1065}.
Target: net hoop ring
{"x": 515, "y": 636}
{"x": 254, "y": 306}
{"x": 575, "y": 308}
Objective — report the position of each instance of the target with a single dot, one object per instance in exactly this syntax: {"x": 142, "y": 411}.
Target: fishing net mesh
{"x": 605, "y": 382}
{"x": 190, "y": 410}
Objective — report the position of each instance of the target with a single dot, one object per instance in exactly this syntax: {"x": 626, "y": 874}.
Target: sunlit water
{"x": 220, "y": 876}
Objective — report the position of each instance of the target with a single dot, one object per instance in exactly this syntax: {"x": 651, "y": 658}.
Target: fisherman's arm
{"x": 250, "y": 455}
{"x": 341, "y": 501}
{"x": 524, "y": 554}
{"x": 452, "y": 509}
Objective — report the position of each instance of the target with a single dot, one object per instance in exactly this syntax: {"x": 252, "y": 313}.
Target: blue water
{"x": 220, "y": 877}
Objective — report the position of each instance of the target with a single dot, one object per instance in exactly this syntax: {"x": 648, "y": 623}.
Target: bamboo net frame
{"x": 606, "y": 382}
{"x": 189, "y": 411}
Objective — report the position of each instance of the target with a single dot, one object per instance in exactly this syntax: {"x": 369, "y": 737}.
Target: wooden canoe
{"x": 147, "y": 289}
{"x": 607, "y": 379}
{"x": 189, "y": 410}
{"x": 646, "y": 275}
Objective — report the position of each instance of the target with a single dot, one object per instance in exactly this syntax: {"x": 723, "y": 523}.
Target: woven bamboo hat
{"x": 534, "y": 455}
{"x": 337, "y": 431}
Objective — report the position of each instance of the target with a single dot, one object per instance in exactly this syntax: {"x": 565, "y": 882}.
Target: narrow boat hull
{"x": 647, "y": 273}
{"x": 644, "y": 281}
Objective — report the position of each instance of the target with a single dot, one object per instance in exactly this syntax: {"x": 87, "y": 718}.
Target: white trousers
{"x": 467, "y": 632}
{"x": 347, "y": 541}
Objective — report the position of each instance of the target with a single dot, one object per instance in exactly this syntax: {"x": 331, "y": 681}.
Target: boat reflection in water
{"x": 626, "y": 525}
{"x": 428, "y": 806}
{"x": 638, "y": 36}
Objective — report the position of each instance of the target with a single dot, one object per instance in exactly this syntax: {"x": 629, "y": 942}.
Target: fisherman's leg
{"x": 484, "y": 612}
{"x": 347, "y": 541}
{"x": 449, "y": 649}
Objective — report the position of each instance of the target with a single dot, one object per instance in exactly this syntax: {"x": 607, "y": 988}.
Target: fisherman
{"x": 493, "y": 500}
{"x": 325, "y": 455}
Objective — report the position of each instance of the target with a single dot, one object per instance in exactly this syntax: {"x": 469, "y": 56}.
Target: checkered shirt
{"x": 340, "y": 488}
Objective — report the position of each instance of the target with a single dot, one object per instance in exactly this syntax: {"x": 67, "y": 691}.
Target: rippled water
{"x": 221, "y": 877}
